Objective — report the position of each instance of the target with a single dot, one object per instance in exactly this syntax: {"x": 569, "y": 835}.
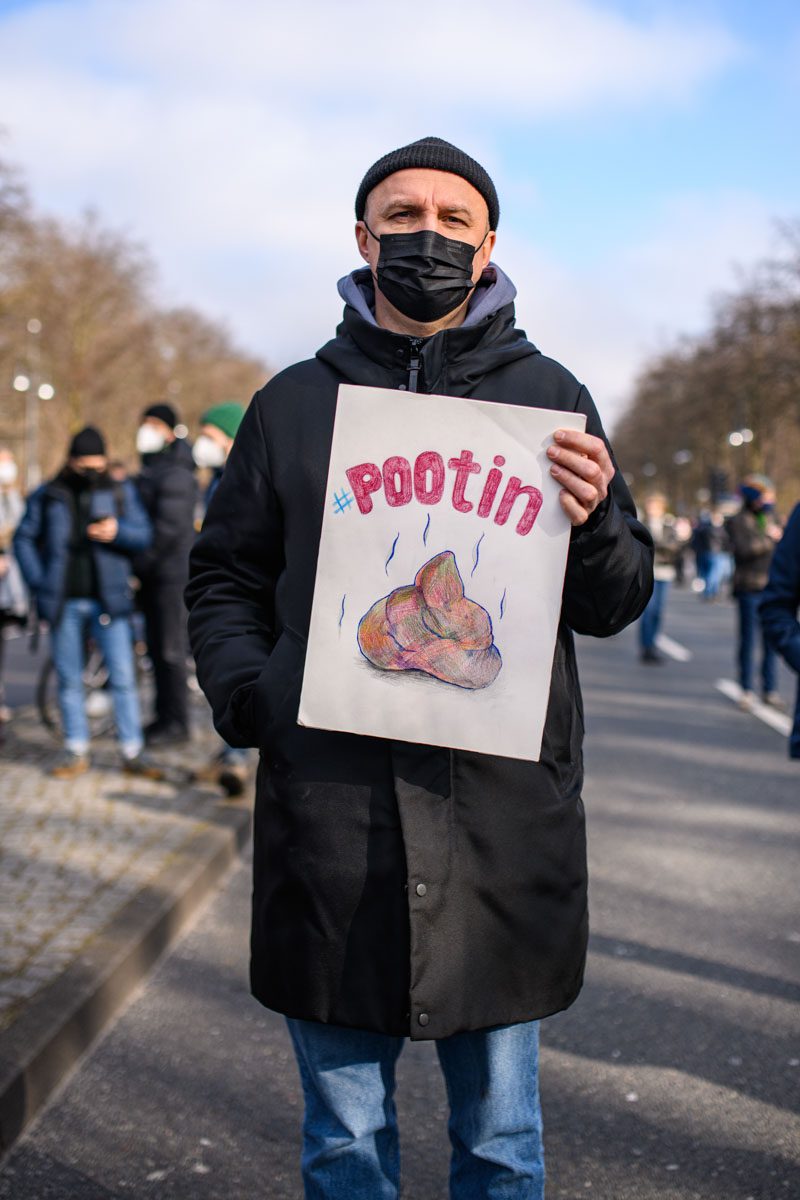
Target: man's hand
{"x": 103, "y": 531}
{"x": 583, "y": 467}
{"x": 3, "y": 565}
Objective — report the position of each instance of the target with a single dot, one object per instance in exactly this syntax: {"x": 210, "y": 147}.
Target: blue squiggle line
{"x": 477, "y": 553}
{"x": 391, "y": 556}
{"x": 341, "y": 614}
{"x": 425, "y": 532}
{"x": 503, "y": 603}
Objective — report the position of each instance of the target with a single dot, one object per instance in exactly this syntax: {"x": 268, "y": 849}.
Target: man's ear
{"x": 362, "y": 237}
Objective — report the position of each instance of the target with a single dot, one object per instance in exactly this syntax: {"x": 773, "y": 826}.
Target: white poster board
{"x": 440, "y": 573}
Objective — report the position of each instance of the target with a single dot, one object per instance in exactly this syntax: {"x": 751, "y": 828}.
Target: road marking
{"x": 776, "y": 720}
{"x": 673, "y": 649}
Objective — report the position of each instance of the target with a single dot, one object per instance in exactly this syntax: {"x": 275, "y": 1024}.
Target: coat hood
{"x": 452, "y": 360}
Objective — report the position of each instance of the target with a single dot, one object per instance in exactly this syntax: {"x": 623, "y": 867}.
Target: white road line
{"x": 776, "y": 720}
{"x": 673, "y": 649}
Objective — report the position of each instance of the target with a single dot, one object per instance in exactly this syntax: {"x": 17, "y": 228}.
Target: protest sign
{"x": 440, "y": 571}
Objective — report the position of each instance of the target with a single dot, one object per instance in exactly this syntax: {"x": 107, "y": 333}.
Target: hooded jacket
{"x": 42, "y": 541}
{"x": 407, "y": 889}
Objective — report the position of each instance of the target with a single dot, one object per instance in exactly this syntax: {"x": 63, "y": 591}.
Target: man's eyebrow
{"x": 406, "y": 202}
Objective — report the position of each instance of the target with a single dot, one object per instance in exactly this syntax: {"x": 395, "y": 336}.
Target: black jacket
{"x": 168, "y": 489}
{"x": 400, "y": 888}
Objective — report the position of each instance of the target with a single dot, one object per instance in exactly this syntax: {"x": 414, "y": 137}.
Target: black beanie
{"x": 88, "y": 442}
{"x": 437, "y": 155}
{"x": 164, "y": 412}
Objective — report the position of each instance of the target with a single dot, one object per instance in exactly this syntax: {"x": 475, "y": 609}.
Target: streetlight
{"x": 33, "y": 393}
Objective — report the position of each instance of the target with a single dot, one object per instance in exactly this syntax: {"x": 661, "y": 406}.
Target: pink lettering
{"x": 514, "y": 488}
{"x": 490, "y": 487}
{"x": 364, "y": 480}
{"x": 464, "y": 466}
{"x": 397, "y": 481}
{"x": 429, "y": 462}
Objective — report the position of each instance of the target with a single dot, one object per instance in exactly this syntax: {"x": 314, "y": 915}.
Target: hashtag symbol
{"x": 342, "y": 501}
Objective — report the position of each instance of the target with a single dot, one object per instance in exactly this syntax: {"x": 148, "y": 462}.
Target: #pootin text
{"x": 426, "y": 481}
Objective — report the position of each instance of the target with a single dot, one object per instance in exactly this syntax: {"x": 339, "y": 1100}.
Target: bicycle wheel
{"x": 98, "y": 703}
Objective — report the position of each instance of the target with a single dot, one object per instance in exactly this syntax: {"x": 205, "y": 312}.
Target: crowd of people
{"x": 94, "y": 545}
{"x": 747, "y": 552}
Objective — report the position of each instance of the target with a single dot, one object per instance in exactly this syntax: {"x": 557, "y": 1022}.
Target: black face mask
{"x": 86, "y": 477}
{"x": 425, "y": 275}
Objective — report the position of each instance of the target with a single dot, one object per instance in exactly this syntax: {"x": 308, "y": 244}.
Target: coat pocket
{"x": 277, "y": 690}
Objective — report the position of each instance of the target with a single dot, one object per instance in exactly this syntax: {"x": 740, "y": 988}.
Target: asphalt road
{"x": 675, "y": 1076}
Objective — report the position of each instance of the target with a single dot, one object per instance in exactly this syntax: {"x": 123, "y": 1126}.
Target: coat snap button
{"x": 423, "y": 1018}
{"x": 402, "y": 387}
{"x": 421, "y": 889}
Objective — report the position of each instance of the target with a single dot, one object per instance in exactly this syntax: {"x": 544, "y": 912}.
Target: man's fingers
{"x": 578, "y": 464}
{"x": 587, "y": 493}
{"x": 576, "y": 512}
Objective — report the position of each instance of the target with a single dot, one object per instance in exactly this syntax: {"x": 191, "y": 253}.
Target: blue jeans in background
{"x": 650, "y": 620}
{"x": 113, "y": 636}
{"x": 749, "y": 629}
{"x": 350, "y": 1141}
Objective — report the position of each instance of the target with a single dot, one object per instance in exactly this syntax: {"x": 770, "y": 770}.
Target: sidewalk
{"x": 97, "y": 875}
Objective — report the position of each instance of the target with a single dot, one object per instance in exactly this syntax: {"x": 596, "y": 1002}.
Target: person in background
{"x": 779, "y": 608}
{"x": 168, "y": 490}
{"x": 709, "y": 542}
{"x": 13, "y": 596}
{"x": 74, "y": 545}
{"x": 667, "y": 548}
{"x": 753, "y": 533}
{"x": 218, "y": 428}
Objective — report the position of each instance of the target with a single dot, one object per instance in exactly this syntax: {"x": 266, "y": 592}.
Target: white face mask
{"x": 208, "y": 453}
{"x": 150, "y": 440}
{"x": 8, "y": 473}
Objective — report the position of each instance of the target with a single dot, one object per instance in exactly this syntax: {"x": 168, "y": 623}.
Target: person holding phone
{"x": 74, "y": 547}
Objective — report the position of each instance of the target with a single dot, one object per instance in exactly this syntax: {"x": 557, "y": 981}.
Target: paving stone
{"x": 75, "y": 851}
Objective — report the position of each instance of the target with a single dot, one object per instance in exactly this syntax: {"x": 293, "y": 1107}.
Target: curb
{"x": 63, "y": 1020}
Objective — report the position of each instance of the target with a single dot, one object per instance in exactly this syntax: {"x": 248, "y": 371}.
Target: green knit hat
{"x": 227, "y": 417}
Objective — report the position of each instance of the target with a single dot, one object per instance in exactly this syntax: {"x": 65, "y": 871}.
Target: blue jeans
{"x": 113, "y": 636}
{"x": 650, "y": 620}
{"x": 749, "y": 628}
{"x": 350, "y": 1142}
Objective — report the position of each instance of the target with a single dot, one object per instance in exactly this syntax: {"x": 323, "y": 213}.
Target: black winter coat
{"x": 401, "y": 888}
{"x": 168, "y": 489}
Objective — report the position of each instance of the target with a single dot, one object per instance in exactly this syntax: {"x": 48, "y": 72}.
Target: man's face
{"x": 161, "y": 426}
{"x": 419, "y": 198}
{"x": 216, "y": 435}
{"x": 88, "y": 462}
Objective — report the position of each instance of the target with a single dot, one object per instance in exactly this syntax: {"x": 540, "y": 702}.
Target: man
{"x": 667, "y": 548}
{"x": 218, "y": 428}
{"x": 169, "y": 491}
{"x": 753, "y": 533}
{"x": 406, "y": 890}
{"x": 74, "y": 546}
{"x": 779, "y": 608}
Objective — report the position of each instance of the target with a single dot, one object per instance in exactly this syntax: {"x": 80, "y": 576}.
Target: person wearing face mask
{"x": 74, "y": 546}
{"x": 407, "y": 890}
{"x": 168, "y": 489}
{"x": 753, "y": 533}
{"x": 13, "y": 596}
{"x": 218, "y": 428}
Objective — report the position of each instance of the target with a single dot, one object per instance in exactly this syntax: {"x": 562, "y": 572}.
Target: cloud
{"x": 230, "y": 136}
{"x": 605, "y": 320}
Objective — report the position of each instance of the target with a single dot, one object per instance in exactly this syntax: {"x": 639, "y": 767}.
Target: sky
{"x": 642, "y": 150}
